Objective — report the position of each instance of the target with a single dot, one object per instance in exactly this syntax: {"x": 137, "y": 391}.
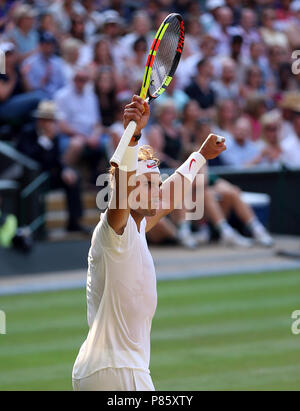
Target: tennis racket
{"x": 161, "y": 65}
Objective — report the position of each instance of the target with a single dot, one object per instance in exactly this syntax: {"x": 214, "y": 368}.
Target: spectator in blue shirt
{"x": 24, "y": 35}
{"x": 44, "y": 71}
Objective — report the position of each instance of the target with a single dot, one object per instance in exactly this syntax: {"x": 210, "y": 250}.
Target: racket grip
{"x": 123, "y": 144}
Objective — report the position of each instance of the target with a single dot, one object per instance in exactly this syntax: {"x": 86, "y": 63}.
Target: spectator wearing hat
{"x": 289, "y": 101}
{"x": 16, "y": 103}
{"x": 42, "y": 145}
{"x": 111, "y": 28}
{"x": 24, "y": 34}
{"x": 44, "y": 71}
{"x": 208, "y": 19}
{"x": 290, "y": 145}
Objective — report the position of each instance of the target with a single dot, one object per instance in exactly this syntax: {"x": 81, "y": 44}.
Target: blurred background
{"x": 229, "y": 282}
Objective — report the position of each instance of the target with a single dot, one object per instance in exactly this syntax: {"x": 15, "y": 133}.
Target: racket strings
{"x": 165, "y": 56}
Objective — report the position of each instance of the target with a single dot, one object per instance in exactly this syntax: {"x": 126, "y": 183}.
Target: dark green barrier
{"x": 282, "y": 185}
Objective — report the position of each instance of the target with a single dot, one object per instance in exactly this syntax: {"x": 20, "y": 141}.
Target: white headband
{"x": 147, "y": 166}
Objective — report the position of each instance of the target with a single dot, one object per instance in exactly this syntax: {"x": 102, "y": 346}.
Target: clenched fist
{"x": 212, "y": 147}
{"x": 138, "y": 110}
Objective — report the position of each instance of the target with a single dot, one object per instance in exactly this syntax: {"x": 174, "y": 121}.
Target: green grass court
{"x": 217, "y": 333}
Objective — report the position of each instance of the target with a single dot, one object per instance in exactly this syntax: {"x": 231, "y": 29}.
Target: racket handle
{"x": 123, "y": 144}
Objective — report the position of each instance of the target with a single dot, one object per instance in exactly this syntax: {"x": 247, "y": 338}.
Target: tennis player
{"x": 121, "y": 281}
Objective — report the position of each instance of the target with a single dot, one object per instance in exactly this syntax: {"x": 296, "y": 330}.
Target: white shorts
{"x": 115, "y": 379}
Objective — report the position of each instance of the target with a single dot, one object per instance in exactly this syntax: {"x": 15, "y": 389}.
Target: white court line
{"x": 77, "y": 279}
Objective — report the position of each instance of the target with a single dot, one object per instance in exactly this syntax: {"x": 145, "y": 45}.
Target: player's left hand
{"x": 212, "y": 147}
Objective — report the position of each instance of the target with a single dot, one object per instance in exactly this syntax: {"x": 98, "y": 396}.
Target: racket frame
{"x": 145, "y": 94}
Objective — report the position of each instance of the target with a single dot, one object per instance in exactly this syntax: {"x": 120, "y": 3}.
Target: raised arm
{"x": 118, "y": 209}
{"x": 210, "y": 149}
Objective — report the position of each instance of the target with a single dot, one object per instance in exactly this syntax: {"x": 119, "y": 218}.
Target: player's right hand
{"x": 138, "y": 110}
{"x": 212, "y": 147}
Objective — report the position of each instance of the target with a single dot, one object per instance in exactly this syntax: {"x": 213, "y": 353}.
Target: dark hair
{"x": 138, "y": 41}
{"x": 96, "y": 45}
{"x": 202, "y": 62}
{"x": 237, "y": 39}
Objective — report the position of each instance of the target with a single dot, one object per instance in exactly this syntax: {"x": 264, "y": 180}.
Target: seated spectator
{"x": 70, "y": 50}
{"x": 227, "y": 113}
{"x": 111, "y": 28}
{"x": 170, "y": 134}
{"x": 44, "y": 71}
{"x": 134, "y": 64}
{"x": 276, "y": 55}
{"x": 63, "y": 11}
{"x": 254, "y": 83}
{"x": 77, "y": 31}
{"x": 200, "y": 87}
{"x": 247, "y": 30}
{"x": 24, "y": 34}
{"x": 224, "y": 18}
{"x": 236, "y": 49}
{"x": 227, "y": 86}
{"x": 209, "y": 19}
{"x": 290, "y": 146}
{"x": 187, "y": 69}
{"x": 179, "y": 97}
{"x": 292, "y": 29}
{"x": 286, "y": 79}
{"x": 42, "y": 145}
{"x": 257, "y": 57}
{"x": 190, "y": 123}
{"x": 47, "y": 24}
{"x": 241, "y": 150}
{"x": 105, "y": 90}
{"x": 269, "y": 34}
{"x": 78, "y": 107}
{"x": 16, "y": 103}
{"x": 220, "y": 199}
{"x": 255, "y": 107}
{"x": 270, "y": 153}
{"x": 80, "y": 117}
{"x": 193, "y": 32}
{"x": 93, "y": 18}
{"x": 288, "y": 102}
{"x": 141, "y": 26}
{"x": 102, "y": 56}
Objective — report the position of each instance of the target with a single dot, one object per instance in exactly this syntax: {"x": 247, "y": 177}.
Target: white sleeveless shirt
{"x": 121, "y": 300}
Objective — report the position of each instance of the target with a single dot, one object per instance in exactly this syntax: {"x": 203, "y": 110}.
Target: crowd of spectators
{"x": 87, "y": 58}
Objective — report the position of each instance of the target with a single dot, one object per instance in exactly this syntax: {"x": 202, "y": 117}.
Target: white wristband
{"x": 191, "y": 166}
{"x": 130, "y": 159}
